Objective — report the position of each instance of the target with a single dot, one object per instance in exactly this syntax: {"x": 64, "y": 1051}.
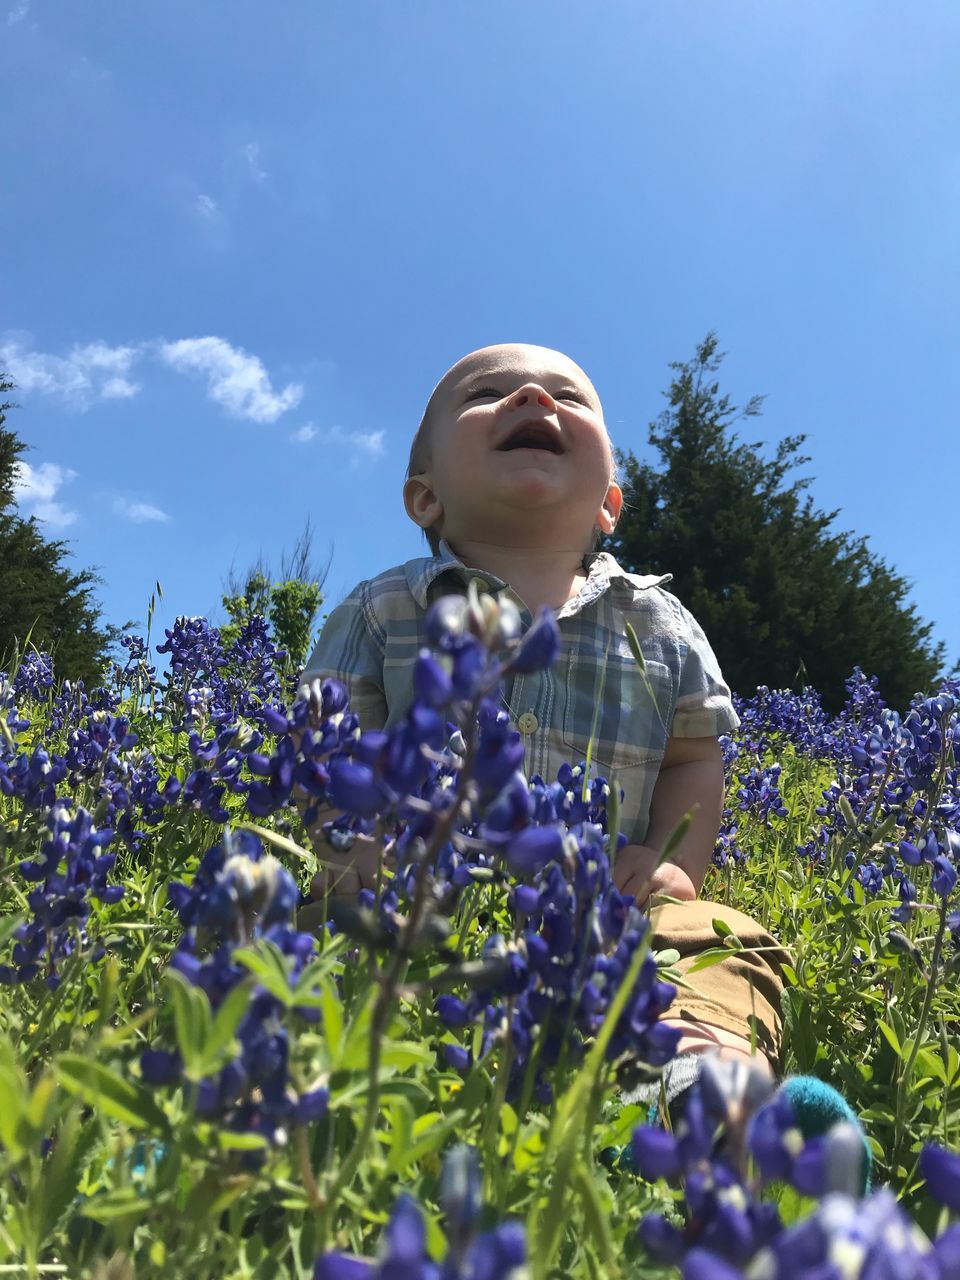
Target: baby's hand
{"x": 345, "y": 874}
{"x": 636, "y": 872}
{"x": 633, "y": 870}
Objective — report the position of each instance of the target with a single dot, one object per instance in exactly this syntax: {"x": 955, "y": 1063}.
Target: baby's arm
{"x": 691, "y": 777}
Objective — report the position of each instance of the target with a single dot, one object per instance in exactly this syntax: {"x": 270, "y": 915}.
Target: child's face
{"x": 518, "y": 449}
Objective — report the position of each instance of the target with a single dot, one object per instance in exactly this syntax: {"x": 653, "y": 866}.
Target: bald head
{"x": 505, "y": 358}
{"x": 504, "y": 364}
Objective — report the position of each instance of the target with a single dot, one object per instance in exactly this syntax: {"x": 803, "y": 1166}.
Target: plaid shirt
{"x": 372, "y": 639}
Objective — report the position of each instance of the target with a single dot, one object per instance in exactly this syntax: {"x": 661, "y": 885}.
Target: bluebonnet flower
{"x": 856, "y": 1239}
{"x": 237, "y": 897}
{"x": 71, "y": 870}
{"x": 734, "y": 1139}
{"x": 34, "y": 675}
{"x": 555, "y": 982}
{"x": 940, "y": 1169}
{"x": 498, "y": 1254}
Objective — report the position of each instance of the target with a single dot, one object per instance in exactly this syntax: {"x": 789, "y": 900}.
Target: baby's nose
{"x": 532, "y": 395}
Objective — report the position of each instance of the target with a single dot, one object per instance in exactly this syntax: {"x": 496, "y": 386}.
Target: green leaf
{"x": 402, "y": 1054}
{"x": 109, "y": 1093}
{"x": 721, "y": 928}
{"x": 676, "y": 837}
{"x": 193, "y": 1018}
{"x": 430, "y": 1131}
{"x": 13, "y": 1105}
{"x": 634, "y": 644}
{"x": 265, "y": 961}
{"x": 356, "y": 1045}
{"x": 110, "y": 1206}
{"x": 597, "y": 1217}
{"x": 890, "y": 1036}
{"x": 708, "y": 958}
{"x": 8, "y": 927}
{"x": 228, "y": 1141}
{"x": 278, "y": 841}
{"x": 331, "y": 1011}
{"x": 594, "y": 730}
{"x": 62, "y": 1171}
{"x": 218, "y": 1046}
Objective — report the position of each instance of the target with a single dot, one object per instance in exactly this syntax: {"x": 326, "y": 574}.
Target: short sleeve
{"x": 349, "y": 650}
{"x": 704, "y": 707}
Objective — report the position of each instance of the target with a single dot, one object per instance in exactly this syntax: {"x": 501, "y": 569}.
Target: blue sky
{"x": 240, "y": 243}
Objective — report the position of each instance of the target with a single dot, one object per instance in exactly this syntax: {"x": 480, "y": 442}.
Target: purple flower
{"x": 533, "y": 848}
{"x": 656, "y": 1153}
{"x": 940, "y": 1169}
{"x": 342, "y": 1266}
{"x": 944, "y": 878}
{"x": 354, "y": 788}
{"x": 540, "y": 646}
{"x": 456, "y": 1056}
{"x": 453, "y": 1012}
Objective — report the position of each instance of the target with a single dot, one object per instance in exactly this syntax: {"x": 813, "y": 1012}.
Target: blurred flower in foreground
{"x": 499, "y": 1254}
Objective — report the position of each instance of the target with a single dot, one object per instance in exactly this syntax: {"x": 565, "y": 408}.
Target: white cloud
{"x": 139, "y": 512}
{"x": 364, "y": 444}
{"x": 89, "y": 372}
{"x": 304, "y": 434}
{"x": 235, "y": 379}
{"x": 18, "y": 13}
{"x": 206, "y": 206}
{"x": 257, "y": 171}
{"x": 35, "y": 491}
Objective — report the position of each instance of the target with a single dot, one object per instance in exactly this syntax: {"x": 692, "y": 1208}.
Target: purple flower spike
{"x": 533, "y": 848}
{"x": 941, "y": 1170}
{"x": 944, "y": 876}
{"x": 656, "y": 1153}
{"x": 700, "y": 1264}
{"x": 540, "y": 646}
{"x": 158, "y": 1067}
{"x": 312, "y": 1106}
{"x": 457, "y": 1057}
{"x": 431, "y": 681}
{"x": 353, "y": 788}
{"x": 452, "y": 1011}
{"x": 341, "y": 1266}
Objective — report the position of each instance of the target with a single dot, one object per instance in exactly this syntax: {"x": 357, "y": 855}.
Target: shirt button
{"x": 527, "y": 723}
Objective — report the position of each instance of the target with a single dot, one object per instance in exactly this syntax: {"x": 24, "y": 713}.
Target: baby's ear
{"x": 610, "y": 511}
{"x": 422, "y": 504}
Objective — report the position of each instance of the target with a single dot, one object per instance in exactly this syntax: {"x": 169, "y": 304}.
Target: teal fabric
{"x": 818, "y": 1107}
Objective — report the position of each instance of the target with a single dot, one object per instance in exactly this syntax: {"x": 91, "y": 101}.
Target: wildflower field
{"x": 429, "y": 1087}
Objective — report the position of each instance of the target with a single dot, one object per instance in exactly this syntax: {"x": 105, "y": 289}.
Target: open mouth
{"x": 532, "y": 435}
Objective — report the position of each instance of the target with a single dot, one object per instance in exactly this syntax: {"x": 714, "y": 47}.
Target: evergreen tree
{"x": 42, "y": 600}
{"x": 784, "y": 601}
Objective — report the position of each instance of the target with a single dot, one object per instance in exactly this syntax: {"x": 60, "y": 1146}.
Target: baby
{"x": 512, "y": 478}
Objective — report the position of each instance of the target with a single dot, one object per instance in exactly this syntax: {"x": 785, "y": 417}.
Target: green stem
{"x": 922, "y": 1024}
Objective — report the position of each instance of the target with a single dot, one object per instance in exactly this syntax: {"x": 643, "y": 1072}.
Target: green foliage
{"x": 290, "y": 602}
{"x": 43, "y": 601}
{"x": 752, "y": 557}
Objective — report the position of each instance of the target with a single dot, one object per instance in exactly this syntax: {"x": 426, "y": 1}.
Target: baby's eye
{"x": 571, "y": 395}
{"x": 483, "y": 393}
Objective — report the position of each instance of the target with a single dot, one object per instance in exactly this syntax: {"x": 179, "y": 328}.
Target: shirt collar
{"x": 602, "y": 570}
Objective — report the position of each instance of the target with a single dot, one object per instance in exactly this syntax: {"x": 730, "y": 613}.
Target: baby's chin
{"x": 532, "y": 485}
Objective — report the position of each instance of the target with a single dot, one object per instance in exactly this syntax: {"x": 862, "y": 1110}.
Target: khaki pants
{"x": 740, "y": 994}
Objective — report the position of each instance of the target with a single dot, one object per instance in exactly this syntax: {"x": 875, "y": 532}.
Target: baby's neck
{"x": 539, "y": 576}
